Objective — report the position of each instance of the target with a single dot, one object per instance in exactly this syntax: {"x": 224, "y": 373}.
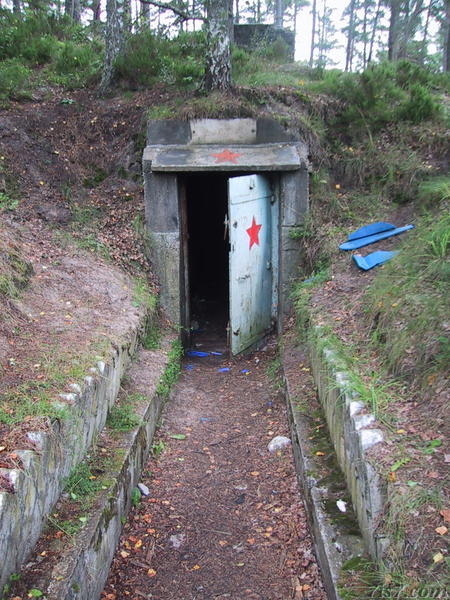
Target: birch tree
{"x": 218, "y": 59}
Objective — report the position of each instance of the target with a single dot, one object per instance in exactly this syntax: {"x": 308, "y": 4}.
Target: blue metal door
{"x": 249, "y": 202}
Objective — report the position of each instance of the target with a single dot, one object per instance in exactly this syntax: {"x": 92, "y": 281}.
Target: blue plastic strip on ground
{"x": 197, "y": 353}
{"x": 371, "y": 239}
{"x": 372, "y": 260}
{"x": 370, "y": 229}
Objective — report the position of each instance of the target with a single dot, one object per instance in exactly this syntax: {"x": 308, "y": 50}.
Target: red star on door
{"x": 226, "y": 156}
{"x": 253, "y": 233}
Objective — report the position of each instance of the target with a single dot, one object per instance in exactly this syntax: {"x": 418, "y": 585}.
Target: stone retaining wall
{"x": 39, "y": 480}
{"x": 353, "y": 432}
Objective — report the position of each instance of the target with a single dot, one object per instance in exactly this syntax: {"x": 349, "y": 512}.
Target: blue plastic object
{"x": 216, "y": 353}
{"x": 372, "y": 260}
{"x": 197, "y": 353}
{"x": 189, "y": 367}
{"x": 224, "y": 370}
{"x": 371, "y": 229}
{"x": 371, "y": 239}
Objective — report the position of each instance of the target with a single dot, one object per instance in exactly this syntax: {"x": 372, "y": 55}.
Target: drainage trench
{"x": 224, "y": 518}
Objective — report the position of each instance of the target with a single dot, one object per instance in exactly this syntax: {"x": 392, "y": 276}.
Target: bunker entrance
{"x": 222, "y": 198}
{"x": 206, "y": 253}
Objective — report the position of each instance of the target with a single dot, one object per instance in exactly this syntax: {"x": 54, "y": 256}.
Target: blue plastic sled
{"x": 372, "y": 260}
{"x": 371, "y": 229}
{"x": 371, "y": 239}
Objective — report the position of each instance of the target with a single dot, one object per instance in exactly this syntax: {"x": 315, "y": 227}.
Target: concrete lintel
{"x": 225, "y": 158}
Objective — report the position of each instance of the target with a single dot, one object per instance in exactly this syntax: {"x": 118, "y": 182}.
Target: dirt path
{"x": 224, "y": 517}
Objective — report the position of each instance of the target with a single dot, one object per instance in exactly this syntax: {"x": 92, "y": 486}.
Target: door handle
{"x": 243, "y": 277}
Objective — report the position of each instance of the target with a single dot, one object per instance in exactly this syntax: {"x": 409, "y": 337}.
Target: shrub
{"x": 149, "y": 58}
{"x": 408, "y": 302}
{"x": 141, "y": 62}
{"x": 435, "y": 190}
{"x": 40, "y": 51}
{"x": 14, "y": 79}
{"x": 77, "y": 65}
{"x": 420, "y": 105}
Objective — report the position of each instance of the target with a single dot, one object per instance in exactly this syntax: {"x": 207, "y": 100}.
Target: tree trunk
{"x": 350, "y": 35}
{"x": 96, "y": 9}
{"x": 114, "y": 37}
{"x": 279, "y": 14}
{"x": 446, "y": 49}
{"x": 374, "y": 29}
{"x": 394, "y": 22}
{"x": 218, "y": 59}
{"x": 366, "y": 16}
{"x": 236, "y": 11}
{"x": 424, "y": 48}
{"x": 313, "y": 33}
{"x": 72, "y": 8}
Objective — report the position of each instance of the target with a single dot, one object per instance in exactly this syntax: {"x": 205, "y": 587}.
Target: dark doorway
{"x": 207, "y": 255}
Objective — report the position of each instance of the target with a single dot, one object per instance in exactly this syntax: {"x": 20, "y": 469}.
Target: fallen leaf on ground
{"x": 438, "y": 557}
{"x": 442, "y": 530}
{"x": 151, "y": 572}
{"x": 445, "y": 513}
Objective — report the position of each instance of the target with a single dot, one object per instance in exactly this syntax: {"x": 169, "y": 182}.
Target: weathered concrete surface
{"x": 166, "y": 262}
{"x": 218, "y": 131}
{"x": 39, "y": 482}
{"x": 225, "y": 131}
{"x": 224, "y": 157}
{"x": 335, "y": 534}
{"x": 82, "y": 568}
{"x": 353, "y": 433}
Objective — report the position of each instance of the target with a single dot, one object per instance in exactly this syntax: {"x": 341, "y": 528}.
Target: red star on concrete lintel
{"x": 226, "y": 156}
{"x": 253, "y": 233}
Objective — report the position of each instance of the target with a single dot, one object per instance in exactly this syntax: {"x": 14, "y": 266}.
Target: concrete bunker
{"x": 221, "y": 199}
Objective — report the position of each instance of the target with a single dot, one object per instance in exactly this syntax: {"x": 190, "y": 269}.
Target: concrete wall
{"x": 353, "y": 432}
{"x": 294, "y": 203}
{"x": 162, "y": 218}
{"x": 39, "y": 481}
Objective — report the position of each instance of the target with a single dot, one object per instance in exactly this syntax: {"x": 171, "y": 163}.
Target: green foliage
{"x": 70, "y": 55}
{"x": 14, "y": 80}
{"x": 420, "y": 106}
{"x": 172, "y": 371}
{"x": 135, "y": 496}
{"x": 408, "y": 302}
{"x": 122, "y": 416}
{"x": 149, "y": 58}
{"x": 7, "y": 203}
{"x": 361, "y": 579}
{"x": 81, "y": 482}
{"x": 261, "y": 68}
{"x": 152, "y": 337}
{"x": 76, "y": 65}
{"x": 158, "y": 448}
{"x": 142, "y": 296}
{"x": 301, "y": 296}
{"x": 434, "y": 191}
{"x": 383, "y": 93}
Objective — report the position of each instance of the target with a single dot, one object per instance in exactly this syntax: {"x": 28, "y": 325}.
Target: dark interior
{"x": 208, "y": 247}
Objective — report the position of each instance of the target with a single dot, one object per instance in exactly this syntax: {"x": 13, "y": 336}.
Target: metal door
{"x": 249, "y": 205}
